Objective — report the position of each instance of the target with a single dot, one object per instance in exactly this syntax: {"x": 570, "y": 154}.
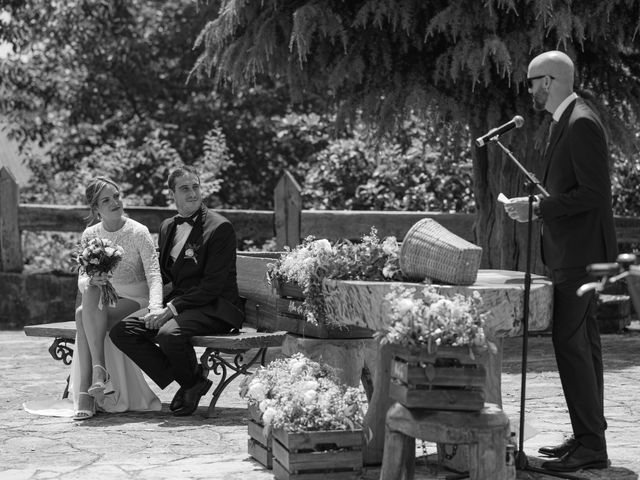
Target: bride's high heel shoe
{"x": 85, "y": 414}
{"x": 99, "y": 389}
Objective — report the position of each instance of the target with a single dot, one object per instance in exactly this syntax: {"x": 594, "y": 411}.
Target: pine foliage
{"x": 387, "y": 58}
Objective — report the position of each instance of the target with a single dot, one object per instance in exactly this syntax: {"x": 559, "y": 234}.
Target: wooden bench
{"x": 215, "y": 358}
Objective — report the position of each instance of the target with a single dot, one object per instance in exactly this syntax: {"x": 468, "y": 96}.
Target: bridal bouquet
{"x": 298, "y": 394}
{"x": 100, "y": 255}
{"x": 431, "y": 319}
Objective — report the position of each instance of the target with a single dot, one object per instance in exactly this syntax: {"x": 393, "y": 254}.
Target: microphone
{"x": 515, "y": 122}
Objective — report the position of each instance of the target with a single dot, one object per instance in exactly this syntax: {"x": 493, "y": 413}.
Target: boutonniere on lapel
{"x": 190, "y": 251}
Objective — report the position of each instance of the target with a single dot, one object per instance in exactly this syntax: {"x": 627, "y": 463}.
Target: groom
{"x": 198, "y": 264}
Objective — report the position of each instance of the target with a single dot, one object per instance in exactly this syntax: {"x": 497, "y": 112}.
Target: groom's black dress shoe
{"x": 192, "y": 397}
{"x": 577, "y": 458}
{"x": 558, "y": 451}
{"x": 178, "y": 398}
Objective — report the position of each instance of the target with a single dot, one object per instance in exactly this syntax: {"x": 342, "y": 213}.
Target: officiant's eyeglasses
{"x": 531, "y": 79}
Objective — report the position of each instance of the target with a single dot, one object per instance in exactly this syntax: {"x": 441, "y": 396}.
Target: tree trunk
{"x": 504, "y": 241}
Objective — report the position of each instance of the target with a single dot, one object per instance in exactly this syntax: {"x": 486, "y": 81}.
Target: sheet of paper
{"x": 502, "y": 198}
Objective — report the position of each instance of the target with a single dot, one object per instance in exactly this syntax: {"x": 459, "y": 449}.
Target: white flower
{"x": 109, "y": 251}
{"x": 404, "y": 306}
{"x": 265, "y": 404}
{"x": 390, "y": 246}
{"x": 309, "y": 396}
{"x": 309, "y": 385}
{"x": 388, "y": 271}
{"x": 257, "y": 391}
{"x": 94, "y": 261}
{"x": 268, "y": 416}
{"x": 322, "y": 245}
{"x": 297, "y": 366}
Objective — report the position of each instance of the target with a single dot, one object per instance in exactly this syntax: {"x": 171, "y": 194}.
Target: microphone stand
{"x": 522, "y": 463}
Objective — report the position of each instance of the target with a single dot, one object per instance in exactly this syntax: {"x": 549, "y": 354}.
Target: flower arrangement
{"x": 100, "y": 255}
{"x": 434, "y": 320}
{"x": 314, "y": 260}
{"x": 298, "y": 394}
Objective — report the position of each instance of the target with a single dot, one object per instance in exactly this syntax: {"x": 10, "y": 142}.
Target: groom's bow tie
{"x": 190, "y": 220}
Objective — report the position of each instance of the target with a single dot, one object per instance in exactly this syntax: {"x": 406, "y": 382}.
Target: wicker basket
{"x": 430, "y": 250}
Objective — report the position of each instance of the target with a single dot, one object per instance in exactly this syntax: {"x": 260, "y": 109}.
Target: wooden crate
{"x": 259, "y": 445}
{"x": 289, "y": 290}
{"x": 289, "y": 317}
{"x": 335, "y": 455}
{"x": 448, "y": 379}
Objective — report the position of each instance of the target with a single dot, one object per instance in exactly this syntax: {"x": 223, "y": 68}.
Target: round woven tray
{"x": 431, "y": 251}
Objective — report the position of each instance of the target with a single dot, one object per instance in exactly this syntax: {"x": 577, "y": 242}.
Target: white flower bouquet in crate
{"x": 314, "y": 422}
{"x": 435, "y": 339}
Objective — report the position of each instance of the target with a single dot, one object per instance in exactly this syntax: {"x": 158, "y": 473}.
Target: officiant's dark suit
{"x": 198, "y": 262}
{"x": 577, "y": 229}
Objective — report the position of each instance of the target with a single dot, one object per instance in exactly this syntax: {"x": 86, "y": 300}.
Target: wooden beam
{"x": 10, "y": 240}
{"x": 351, "y": 224}
{"x": 287, "y": 200}
{"x": 68, "y": 218}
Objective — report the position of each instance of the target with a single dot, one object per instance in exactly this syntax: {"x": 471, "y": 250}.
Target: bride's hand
{"x": 99, "y": 279}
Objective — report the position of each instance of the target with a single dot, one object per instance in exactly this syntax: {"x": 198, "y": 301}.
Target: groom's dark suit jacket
{"x": 204, "y": 274}
{"x": 578, "y": 221}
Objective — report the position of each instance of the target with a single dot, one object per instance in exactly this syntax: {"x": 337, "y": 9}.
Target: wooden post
{"x": 287, "y": 200}
{"x": 10, "y": 241}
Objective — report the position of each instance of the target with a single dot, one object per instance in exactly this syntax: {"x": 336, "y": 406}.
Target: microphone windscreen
{"x": 518, "y": 120}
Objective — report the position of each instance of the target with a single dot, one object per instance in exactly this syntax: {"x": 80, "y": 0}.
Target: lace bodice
{"x": 139, "y": 262}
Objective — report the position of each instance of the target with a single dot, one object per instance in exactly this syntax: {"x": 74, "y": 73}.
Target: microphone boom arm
{"x": 530, "y": 176}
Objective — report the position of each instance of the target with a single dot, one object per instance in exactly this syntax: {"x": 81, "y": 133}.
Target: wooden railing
{"x": 288, "y": 223}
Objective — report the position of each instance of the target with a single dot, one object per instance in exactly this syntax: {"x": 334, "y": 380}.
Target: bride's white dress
{"x": 131, "y": 391}
{"x": 136, "y": 277}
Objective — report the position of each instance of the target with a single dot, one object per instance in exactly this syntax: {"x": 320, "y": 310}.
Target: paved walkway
{"x": 160, "y": 446}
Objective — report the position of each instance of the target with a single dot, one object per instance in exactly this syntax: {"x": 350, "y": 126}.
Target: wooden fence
{"x": 288, "y": 223}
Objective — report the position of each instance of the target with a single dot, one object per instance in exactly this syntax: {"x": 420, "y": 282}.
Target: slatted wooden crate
{"x": 259, "y": 444}
{"x": 448, "y": 379}
{"x": 290, "y": 318}
{"x": 323, "y": 455}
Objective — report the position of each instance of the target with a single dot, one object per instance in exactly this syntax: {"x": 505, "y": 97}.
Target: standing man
{"x": 198, "y": 265}
{"x": 577, "y": 230}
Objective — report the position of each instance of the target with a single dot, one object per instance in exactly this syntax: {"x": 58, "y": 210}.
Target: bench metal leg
{"x": 60, "y": 349}
{"x": 211, "y": 360}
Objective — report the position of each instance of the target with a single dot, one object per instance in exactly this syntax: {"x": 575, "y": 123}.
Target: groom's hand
{"x": 156, "y": 319}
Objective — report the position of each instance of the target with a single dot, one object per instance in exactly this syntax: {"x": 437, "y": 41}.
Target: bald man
{"x": 577, "y": 230}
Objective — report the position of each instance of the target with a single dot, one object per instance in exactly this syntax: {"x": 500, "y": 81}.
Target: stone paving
{"x": 160, "y": 446}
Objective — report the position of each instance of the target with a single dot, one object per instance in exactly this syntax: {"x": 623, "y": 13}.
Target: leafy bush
{"x": 49, "y": 252}
{"x": 422, "y": 169}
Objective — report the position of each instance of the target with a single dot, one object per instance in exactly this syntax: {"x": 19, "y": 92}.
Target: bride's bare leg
{"x": 82, "y": 355}
{"x": 94, "y": 322}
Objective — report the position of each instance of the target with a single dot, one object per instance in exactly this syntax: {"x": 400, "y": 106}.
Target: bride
{"x": 102, "y": 377}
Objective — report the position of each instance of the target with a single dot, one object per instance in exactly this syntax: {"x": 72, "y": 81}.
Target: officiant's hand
{"x": 518, "y": 209}
{"x": 154, "y": 320}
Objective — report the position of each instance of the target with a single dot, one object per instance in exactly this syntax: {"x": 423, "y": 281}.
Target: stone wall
{"x": 35, "y": 298}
